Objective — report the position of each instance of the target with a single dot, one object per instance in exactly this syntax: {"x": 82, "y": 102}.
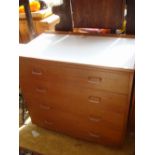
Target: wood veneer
{"x": 90, "y": 102}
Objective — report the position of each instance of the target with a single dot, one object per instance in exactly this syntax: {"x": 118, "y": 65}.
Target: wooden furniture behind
{"x": 79, "y": 85}
{"x": 100, "y": 14}
{"x": 47, "y": 24}
{"x": 90, "y": 14}
{"x": 29, "y": 20}
{"x": 41, "y": 24}
{"x": 130, "y": 17}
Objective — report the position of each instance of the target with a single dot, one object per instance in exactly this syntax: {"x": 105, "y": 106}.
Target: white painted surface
{"x": 100, "y": 51}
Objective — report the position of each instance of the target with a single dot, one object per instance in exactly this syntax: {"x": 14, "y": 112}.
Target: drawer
{"x": 70, "y": 94}
{"x": 76, "y": 97}
{"x": 79, "y": 102}
{"x": 75, "y": 126}
{"x": 77, "y": 75}
{"x": 53, "y": 119}
{"x": 110, "y": 107}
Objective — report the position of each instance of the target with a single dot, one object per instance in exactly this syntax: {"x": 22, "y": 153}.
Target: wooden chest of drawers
{"x": 86, "y": 101}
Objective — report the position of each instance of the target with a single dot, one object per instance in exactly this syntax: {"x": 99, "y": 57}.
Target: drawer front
{"x": 110, "y": 107}
{"x": 81, "y": 101}
{"x": 34, "y": 69}
{"x": 112, "y": 120}
{"x": 55, "y": 93}
{"x": 75, "y": 126}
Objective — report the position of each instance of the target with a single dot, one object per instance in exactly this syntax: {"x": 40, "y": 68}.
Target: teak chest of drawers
{"x": 70, "y": 86}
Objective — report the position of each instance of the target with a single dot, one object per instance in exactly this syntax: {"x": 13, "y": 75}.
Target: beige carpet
{"x": 51, "y": 143}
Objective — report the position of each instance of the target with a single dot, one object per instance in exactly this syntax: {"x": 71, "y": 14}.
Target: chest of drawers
{"x": 86, "y": 100}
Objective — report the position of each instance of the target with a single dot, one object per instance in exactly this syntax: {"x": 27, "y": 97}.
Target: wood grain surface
{"x": 98, "y": 13}
{"x": 67, "y": 100}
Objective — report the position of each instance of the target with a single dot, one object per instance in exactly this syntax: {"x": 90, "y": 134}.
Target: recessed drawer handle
{"x": 94, "y": 80}
{"x": 94, "y": 135}
{"x": 94, "y": 119}
{"x": 41, "y": 90}
{"x": 48, "y": 123}
{"x": 45, "y": 107}
{"x": 36, "y": 72}
{"x": 94, "y": 99}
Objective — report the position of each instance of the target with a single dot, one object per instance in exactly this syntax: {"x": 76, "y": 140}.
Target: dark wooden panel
{"x": 130, "y": 17}
{"x": 64, "y": 12}
{"x": 98, "y": 13}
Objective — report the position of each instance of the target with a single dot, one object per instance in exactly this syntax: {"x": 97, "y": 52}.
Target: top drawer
{"x": 81, "y": 75}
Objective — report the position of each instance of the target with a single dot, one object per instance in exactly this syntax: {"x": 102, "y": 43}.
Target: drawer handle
{"x": 94, "y": 135}
{"x": 94, "y": 80}
{"x": 94, "y": 119}
{"x": 41, "y": 90}
{"x": 45, "y": 107}
{"x": 48, "y": 123}
{"x": 35, "y": 72}
{"x": 94, "y": 99}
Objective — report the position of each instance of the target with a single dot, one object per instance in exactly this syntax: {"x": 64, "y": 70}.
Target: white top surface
{"x": 100, "y": 51}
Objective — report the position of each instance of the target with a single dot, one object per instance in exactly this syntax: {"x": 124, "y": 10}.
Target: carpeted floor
{"x": 47, "y": 142}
